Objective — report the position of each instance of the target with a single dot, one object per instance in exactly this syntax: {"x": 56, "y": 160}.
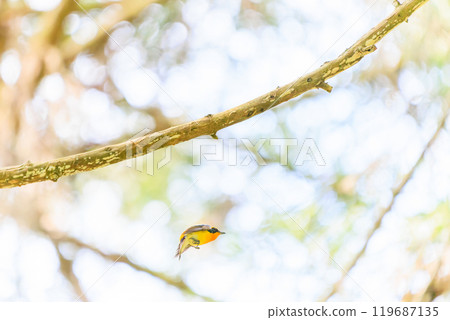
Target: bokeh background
{"x": 371, "y": 224}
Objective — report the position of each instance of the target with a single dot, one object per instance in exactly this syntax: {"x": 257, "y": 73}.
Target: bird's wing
{"x": 199, "y": 227}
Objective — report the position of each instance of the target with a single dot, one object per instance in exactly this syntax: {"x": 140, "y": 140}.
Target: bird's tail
{"x": 182, "y": 247}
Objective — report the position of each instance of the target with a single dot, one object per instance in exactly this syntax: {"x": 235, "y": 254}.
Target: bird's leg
{"x": 195, "y": 243}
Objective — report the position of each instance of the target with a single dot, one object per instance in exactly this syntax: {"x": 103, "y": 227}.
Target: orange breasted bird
{"x": 196, "y": 236}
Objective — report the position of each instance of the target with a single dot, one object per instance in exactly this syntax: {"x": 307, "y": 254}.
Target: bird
{"x": 195, "y": 236}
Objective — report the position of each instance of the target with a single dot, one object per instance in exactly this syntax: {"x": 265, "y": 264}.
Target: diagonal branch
{"x": 178, "y": 283}
{"x": 208, "y": 125}
{"x": 395, "y": 192}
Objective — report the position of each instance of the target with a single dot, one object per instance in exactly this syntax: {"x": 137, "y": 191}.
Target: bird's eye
{"x": 213, "y": 230}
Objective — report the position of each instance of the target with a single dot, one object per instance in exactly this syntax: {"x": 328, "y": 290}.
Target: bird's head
{"x": 215, "y": 230}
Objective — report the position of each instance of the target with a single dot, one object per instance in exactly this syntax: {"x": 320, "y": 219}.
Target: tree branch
{"x": 178, "y": 283}
{"x": 66, "y": 267}
{"x": 395, "y": 192}
{"x": 209, "y": 125}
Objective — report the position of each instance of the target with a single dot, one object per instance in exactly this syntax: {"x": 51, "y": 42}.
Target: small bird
{"x": 196, "y": 236}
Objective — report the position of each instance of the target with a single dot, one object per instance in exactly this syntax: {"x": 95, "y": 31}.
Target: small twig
{"x": 396, "y": 3}
{"x": 325, "y": 86}
{"x": 395, "y": 192}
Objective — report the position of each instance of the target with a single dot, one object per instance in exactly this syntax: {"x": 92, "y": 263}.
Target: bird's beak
{"x": 222, "y": 232}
